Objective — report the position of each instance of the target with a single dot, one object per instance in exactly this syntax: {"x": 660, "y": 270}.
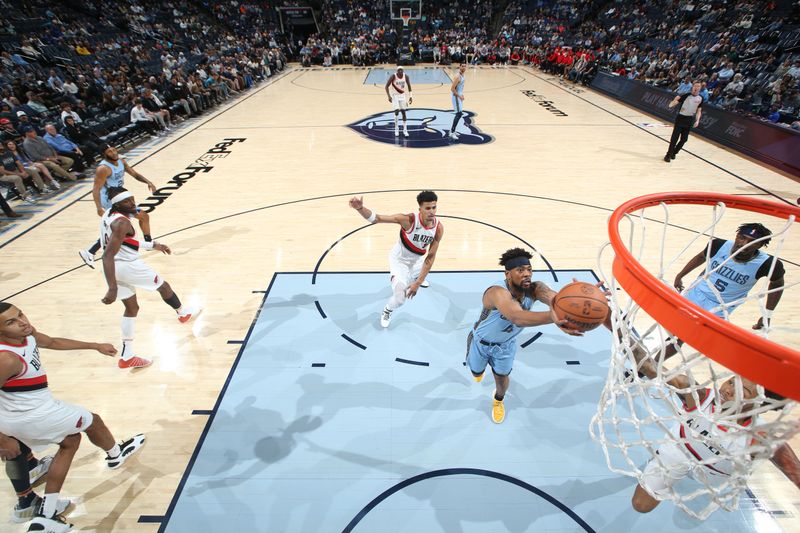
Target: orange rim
{"x": 772, "y": 365}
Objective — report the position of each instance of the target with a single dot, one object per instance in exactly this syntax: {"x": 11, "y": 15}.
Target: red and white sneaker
{"x": 183, "y": 319}
{"x": 134, "y": 362}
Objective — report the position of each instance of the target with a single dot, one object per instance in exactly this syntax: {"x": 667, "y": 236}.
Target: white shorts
{"x": 404, "y": 266}
{"x": 399, "y": 102}
{"x": 47, "y": 424}
{"x": 135, "y": 274}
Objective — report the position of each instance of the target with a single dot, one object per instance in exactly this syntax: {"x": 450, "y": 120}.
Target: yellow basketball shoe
{"x": 498, "y": 410}
{"x": 477, "y": 378}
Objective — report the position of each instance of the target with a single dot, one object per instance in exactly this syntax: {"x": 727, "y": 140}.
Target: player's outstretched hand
{"x": 163, "y": 248}
{"x": 356, "y": 203}
{"x": 110, "y": 296}
{"x": 106, "y": 349}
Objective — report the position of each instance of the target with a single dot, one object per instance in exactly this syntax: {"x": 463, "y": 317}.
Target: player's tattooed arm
{"x": 540, "y": 291}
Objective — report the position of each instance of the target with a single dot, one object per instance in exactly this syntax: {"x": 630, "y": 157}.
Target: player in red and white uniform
{"x": 125, "y": 271}
{"x": 398, "y": 89}
{"x": 30, "y": 414}
{"x": 697, "y": 445}
{"x": 412, "y": 257}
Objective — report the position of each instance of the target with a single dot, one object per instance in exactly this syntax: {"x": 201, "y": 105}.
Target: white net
{"x": 687, "y": 428}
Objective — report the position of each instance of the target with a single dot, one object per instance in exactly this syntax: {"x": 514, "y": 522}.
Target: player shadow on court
{"x": 216, "y": 236}
{"x": 259, "y": 438}
{"x": 454, "y": 509}
{"x": 326, "y": 399}
{"x": 138, "y": 473}
{"x": 349, "y": 312}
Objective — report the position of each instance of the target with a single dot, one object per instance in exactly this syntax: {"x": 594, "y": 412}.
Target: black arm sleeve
{"x": 776, "y": 274}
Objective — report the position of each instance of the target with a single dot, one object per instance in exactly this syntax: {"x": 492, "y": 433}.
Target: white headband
{"x": 121, "y": 196}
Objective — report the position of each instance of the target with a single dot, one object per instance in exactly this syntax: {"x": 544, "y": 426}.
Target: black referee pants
{"x": 680, "y": 133}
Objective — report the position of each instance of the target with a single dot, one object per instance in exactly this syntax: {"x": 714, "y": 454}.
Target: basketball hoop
{"x": 638, "y": 414}
{"x": 405, "y": 15}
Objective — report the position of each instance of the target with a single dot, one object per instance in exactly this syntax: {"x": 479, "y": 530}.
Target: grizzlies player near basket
{"x": 409, "y": 264}
{"x": 111, "y": 173}
{"x": 732, "y": 281}
{"x": 398, "y": 89}
{"x": 125, "y": 271}
{"x": 506, "y": 310}
{"x": 457, "y": 96}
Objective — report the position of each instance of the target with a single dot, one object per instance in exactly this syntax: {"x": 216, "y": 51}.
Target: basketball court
{"x": 284, "y": 406}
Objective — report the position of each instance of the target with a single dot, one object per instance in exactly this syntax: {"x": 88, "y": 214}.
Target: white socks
{"x": 128, "y": 326}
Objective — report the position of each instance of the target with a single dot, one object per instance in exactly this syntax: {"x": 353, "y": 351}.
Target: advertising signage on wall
{"x": 775, "y": 145}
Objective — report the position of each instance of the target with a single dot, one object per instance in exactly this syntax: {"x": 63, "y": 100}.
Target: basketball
{"x": 582, "y": 305}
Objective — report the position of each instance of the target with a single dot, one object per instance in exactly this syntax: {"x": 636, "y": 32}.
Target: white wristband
{"x": 147, "y": 245}
{"x": 372, "y": 218}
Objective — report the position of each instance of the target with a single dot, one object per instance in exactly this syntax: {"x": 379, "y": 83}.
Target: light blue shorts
{"x": 700, "y": 298}
{"x": 499, "y": 356}
{"x": 458, "y": 105}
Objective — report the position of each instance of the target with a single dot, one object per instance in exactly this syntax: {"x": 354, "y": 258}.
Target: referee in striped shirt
{"x": 689, "y": 111}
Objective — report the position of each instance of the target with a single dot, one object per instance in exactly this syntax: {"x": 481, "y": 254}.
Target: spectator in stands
{"x": 24, "y": 122}
{"x": 726, "y": 72}
{"x": 32, "y": 167}
{"x": 157, "y": 108}
{"x": 143, "y": 118}
{"x": 65, "y": 147}
{"x": 685, "y": 86}
{"x": 13, "y": 173}
{"x": 735, "y": 87}
{"x": 86, "y": 139}
{"x": 36, "y": 103}
{"x": 10, "y": 213}
{"x": 41, "y": 152}
{"x": 8, "y": 131}
{"x": 66, "y": 111}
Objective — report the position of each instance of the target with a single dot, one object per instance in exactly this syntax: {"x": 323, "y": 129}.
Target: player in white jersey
{"x": 420, "y": 234}
{"x": 398, "y": 89}
{"x": 30, "y": 414}
{"x": 111, "y": 172}
{"x": 125, "y": 271}
{"x": 698, "y": 438}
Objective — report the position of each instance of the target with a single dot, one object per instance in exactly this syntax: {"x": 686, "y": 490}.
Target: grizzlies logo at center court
{"x": 427, "y": 128}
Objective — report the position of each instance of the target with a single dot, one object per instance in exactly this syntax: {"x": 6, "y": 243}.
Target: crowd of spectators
{"x": 99, "y": 71}
{"x": 75, "y": 76}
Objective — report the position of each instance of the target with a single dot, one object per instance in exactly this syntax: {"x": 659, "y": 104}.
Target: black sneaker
{"x": 668, "y": 158}
{"x": 672, "y": 156}
{"x": 127, "y": 448}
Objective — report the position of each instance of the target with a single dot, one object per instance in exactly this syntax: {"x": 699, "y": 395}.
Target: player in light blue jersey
{"x": 457, "y": 96}
{"x": 506, "y": 310}
{"x": 733, "y": 269}
{"x": 111, "y": 173}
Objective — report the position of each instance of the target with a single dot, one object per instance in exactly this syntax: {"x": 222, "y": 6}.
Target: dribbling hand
{"x": 163, "y": 248}
{"x": 106, "y": 349}
{"x": 101, "y": 211}
{"x": 678, "y": 284}
{"x": 9, "y": 448}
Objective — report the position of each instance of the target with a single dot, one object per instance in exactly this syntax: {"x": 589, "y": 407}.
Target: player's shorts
{"x": 135, "y": 274}
{"x": 500, "y": 356}
{"x": 404, "y": 266}
{"x": 658, "y": 477}
{"x": 704, "y": 300}
{"x": 47, "y": 424}
{"x": 399, "y": 102}
{"x": 458, "y": 105}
